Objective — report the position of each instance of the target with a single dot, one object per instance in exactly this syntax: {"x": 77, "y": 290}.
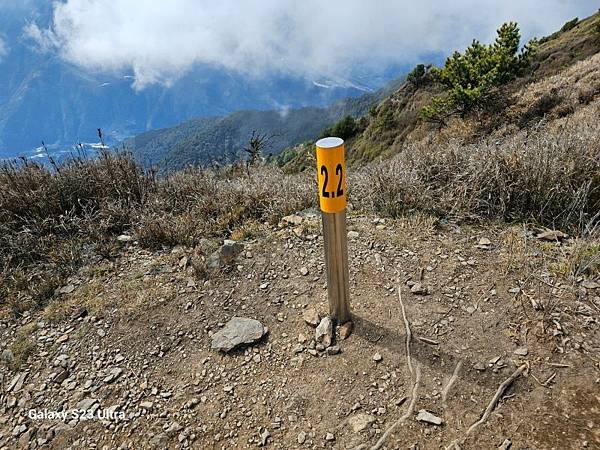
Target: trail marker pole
{"x": 331, "y": 173}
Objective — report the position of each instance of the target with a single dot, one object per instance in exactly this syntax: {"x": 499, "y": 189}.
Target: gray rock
{"x": 8, "y": 357}
{"x": 299, "y": 348}
{"x": 62, "y": 360}
{"x": 330, "y": 437}
{"x": 311, "y": 316}
{"x": 419, "y": 289}
{"x": 427, "y": 417}
{"x": 333, "y": 350}
{"x": 66, "y": 289}
{"x": 353, "y": 234}
{"x": 113, "y": 375}
{"x": 225, "y": 255}
{"x": 229, "y": 250}
{"x": 174, "y": 428}
{"x": 238, "y": 331}
{"x": 61, "y": 376}
{"x": 301, "y": 437}
{"x": 161, "y": 440}
{"x": 214, "y": 260}
{"x": 345, "y": 330}
{"x": 324, "y": 332}
{"x": 484, "y": 243}
{"x": 521, "y": 351}
{"x": 480, "y": 366}
{"x": 19, "y": 429}
{"x": 377, "y": 357}
{"x": 293, "y": 219}
{"x": 124, "y": 238}
{"x": 360, "y": 422}
{"x": 192, "y": 403}
{"x": 17, "y": 382}
{"x": 264, "y": 436}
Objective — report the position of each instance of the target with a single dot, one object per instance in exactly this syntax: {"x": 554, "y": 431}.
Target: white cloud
{"x": 161, "y": 40}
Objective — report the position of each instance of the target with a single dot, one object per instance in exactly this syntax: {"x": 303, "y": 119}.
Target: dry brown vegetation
{"x": 550, "y": 176}
{"x": 55, "y": 219}
{"x": 536, "y": 161}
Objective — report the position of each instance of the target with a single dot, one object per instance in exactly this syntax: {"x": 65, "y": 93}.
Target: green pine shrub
{"x": 470, "y": 77}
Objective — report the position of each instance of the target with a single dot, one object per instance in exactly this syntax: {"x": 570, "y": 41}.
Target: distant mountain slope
{"x": 45, "y": 98}
{"x": 222, "y": 139}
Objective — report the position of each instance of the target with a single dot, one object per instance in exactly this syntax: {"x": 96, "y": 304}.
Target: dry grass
{"x": 558, "y": 95}
{"x": 195, "y": 203}
{"x": 23, "y": 346}
{"x": 54, "y": 219}
{"x": 550, "y": 176}
{"x": 579, "y": 259}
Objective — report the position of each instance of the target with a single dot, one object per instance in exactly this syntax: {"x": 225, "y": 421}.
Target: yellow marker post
{"x": 331, "y": 174}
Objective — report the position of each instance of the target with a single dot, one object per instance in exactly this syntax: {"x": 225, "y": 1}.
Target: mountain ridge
{"x": 44, "y": 98}
{"x": 222, "y": 139}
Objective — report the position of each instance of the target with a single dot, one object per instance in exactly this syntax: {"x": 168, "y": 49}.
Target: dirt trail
{"x": 136, "y": 335}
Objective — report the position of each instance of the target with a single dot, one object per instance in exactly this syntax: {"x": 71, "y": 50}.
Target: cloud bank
{"x": 159, "y": 41}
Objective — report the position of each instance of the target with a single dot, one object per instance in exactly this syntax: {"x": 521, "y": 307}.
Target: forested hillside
{"x": 223, "y": 139}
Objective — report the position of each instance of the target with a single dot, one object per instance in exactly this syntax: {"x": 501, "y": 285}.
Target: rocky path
{"x": 142, "y": 352}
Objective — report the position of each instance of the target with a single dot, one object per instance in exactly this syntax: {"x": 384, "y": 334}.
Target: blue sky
{"x": 159, "y": 41}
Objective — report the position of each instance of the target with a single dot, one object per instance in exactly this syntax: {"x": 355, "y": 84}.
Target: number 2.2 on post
{"x": 339, "y": 171}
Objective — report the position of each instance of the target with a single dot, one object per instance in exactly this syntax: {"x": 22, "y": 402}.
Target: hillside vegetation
{"x": 221, "y": 140}
{"x": 537, "y": 160}
{"x": 478, "y": 93}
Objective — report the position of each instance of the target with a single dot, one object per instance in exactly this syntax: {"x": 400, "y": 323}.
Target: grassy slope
{"x": 395, "y": 122}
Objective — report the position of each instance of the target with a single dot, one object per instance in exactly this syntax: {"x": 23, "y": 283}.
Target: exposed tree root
{"x": 406, "y": 415}
{"x": 451, "y": 382}
{"x": 417, "y": 376}
{"x": 490, "y": 407}
{"x": 408, "y": 333}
